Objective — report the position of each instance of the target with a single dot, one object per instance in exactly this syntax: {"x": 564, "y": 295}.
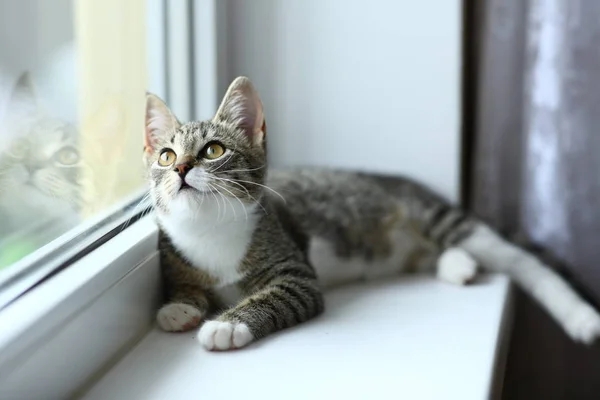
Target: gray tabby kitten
{"x": 40, "y": 167}
{"x": 253, "y": 258}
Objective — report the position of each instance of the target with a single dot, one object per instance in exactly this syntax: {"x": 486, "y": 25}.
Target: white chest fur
{"x": 214, "y": 244}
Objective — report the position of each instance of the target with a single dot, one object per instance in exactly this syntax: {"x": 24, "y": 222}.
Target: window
{"x": 81, "y": 283}
{"x": 72, "y": 98}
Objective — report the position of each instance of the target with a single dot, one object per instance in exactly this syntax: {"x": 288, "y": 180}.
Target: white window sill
{"x": 55, "y": 338}
{"x": 414, "y": 338}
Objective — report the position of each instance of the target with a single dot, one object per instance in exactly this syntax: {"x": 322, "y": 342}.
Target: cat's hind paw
{"x": 178, "y": 317}
{"x": 583, "y": 325}
{"x": 217, "y": 335}
{"x": 456, "y": 266}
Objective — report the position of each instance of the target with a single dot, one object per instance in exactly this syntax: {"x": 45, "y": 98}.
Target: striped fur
{"x": 250, "y": 254}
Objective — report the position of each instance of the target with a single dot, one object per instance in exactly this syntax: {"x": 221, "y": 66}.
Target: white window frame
{"x": 55, "y": 338}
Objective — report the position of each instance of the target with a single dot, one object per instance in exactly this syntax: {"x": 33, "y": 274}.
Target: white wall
{"x": 355, "y": 83}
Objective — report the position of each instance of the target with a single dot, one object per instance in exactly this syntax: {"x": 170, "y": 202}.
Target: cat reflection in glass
{"x": 40, "y": 174}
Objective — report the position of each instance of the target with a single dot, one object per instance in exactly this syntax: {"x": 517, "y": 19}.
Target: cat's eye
{"x": 213, "y": 151}
{"x": 19, "y": 149}
{"x": 67, "y": 156}
{"x": 167, "y": 157}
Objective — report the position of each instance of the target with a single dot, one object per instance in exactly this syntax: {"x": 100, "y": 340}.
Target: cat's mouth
{"x": 185, "y": 186}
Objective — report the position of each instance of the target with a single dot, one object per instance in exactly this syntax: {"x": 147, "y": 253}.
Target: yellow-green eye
{"x": 67, "y": 156}
{"x": 19, "y": 148}
{"x": 214, "y": 151}
{"x": 167, "y": 157}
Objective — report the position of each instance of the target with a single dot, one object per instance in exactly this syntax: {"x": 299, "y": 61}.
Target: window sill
{"x": 56, "y": 338}
{"x": 411, "y": 338}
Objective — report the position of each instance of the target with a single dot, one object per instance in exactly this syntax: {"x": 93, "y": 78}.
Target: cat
{"x": 40, "y": 170}
{"x": 247, "y": 254}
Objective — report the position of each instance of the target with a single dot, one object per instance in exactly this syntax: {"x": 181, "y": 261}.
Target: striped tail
{"x": 445, "y": 225}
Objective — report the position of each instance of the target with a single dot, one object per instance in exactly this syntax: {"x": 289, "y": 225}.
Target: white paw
{"x": 583, "y": 325}
{"x": 178, "y": 317}
{"x": 217, "y": 335}
{"x": 456, "y": 266}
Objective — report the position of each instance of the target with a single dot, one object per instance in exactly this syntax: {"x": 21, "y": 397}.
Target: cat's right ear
{"x": 159, "y": 122}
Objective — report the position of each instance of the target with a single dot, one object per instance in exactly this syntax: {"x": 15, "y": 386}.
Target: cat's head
{"x": 40, "y": 162}
{"x": 209, "y": 167}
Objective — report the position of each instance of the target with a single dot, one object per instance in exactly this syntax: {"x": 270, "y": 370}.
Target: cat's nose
{"x": 32, "y": 167}
{"x": 183, "y": 169}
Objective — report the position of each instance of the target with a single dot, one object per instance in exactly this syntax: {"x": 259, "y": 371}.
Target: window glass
{"x": 72, "y": 88}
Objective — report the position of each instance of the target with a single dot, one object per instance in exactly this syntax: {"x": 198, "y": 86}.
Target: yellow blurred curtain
{"x": 111, "y": 43}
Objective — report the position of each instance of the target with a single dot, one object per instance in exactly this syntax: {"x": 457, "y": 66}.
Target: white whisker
{"x": 235, "y": 197}
{"x": 136, "y": 208}
{"x": 261, "y": 185}
{"x": 243, "y": 170}
{"x": 246, "y": 190}
{"x": 226, "y": 161}
{"x": 225, "y": 198}
{"x": 218, "y": 205}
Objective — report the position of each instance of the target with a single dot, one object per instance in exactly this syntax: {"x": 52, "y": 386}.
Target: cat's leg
{"x": 456, "y": 266}
{"x": 283, "y": 302}
{"x": 183, "y": 312}
{"x": 187, "y": 303}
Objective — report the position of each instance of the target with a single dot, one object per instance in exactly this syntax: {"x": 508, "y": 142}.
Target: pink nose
{"x": 183, "y": 169}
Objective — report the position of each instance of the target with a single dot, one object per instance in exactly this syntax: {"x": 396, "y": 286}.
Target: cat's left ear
{"x": 159, "y": 122}
{"x": 242, "y": 108}
{"x": 23, "y": 101}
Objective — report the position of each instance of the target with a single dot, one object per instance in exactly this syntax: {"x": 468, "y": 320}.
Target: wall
{"x": 355, "y": 84}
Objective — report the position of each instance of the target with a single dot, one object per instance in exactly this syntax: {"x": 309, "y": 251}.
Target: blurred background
{"x": 494, "y": 104}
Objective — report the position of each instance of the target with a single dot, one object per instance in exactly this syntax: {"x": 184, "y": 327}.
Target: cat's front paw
{"x": 178, "y": 317}
{"x": 584, "y": 325}
{"x": 217, "y": 335}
